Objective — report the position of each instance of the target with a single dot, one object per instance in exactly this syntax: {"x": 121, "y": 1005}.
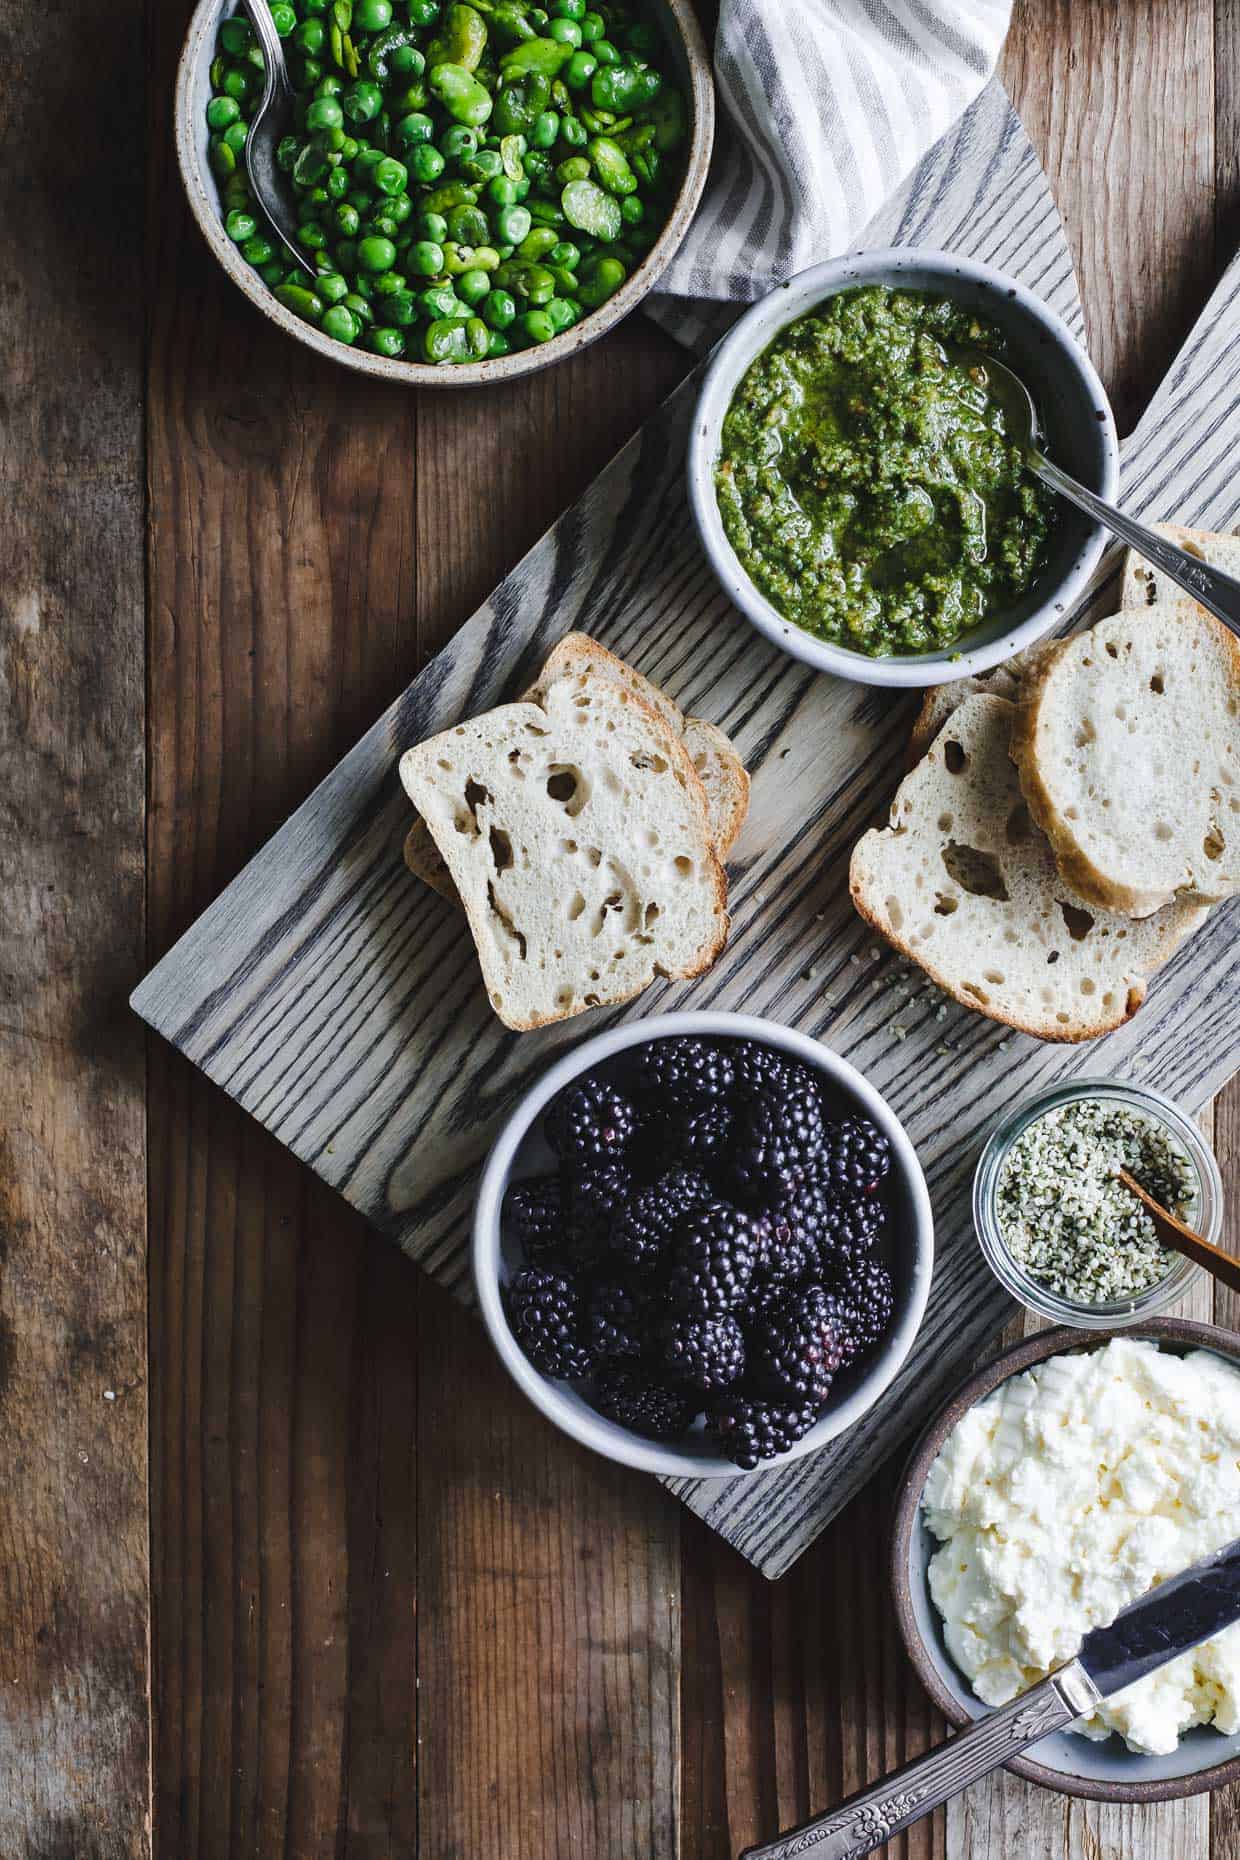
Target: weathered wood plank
{"x": 74, "y": 1698}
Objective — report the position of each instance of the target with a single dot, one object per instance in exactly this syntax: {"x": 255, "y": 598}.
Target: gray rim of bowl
{"x": 205, "y": 207}
{"x": 908, "y": 1508}
{"x": 914, "y": 671}
{"x": 1183, "y": 1274}
{"x": 650, "y": 1456}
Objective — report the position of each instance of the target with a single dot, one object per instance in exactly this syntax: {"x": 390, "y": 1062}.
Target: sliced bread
{"x": 1128, "y": 746}
{"x": 576, "y": 834}
{"x": 722, "y": 773}
{"x": 941, "y": 700}
{"x": 1144, "y": 585}
{"x": 963, "y": 883}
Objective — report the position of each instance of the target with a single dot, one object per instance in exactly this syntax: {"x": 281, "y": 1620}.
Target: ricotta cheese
{"x": 1067, "y": 1494}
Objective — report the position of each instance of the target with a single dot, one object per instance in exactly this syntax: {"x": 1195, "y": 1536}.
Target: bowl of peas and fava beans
{"x": 481, "y": 188}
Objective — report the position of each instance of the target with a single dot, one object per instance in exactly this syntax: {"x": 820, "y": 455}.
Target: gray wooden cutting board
{"x": 337, "y": 1000}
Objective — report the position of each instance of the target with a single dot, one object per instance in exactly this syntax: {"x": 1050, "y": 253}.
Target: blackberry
{"x": 777, "y": 1144}
{"x": 854, "y": 1158}
{"x": 629, "y": 1397}
{"x": 593, "y": 1198}
{"x": 644, "y": 1227}
{"x": 748, "y": 1432}
{"x": 696, "y": 1136}
{"x": 534, "y": 1211}
{"x": 765, "y": 1071}
{"x": 589, "y": 1122}
{"x": 849, "y": 1232}
{"x": 685, "y": 1074}
{"x": 866, "y": 1300}
{"x": 713, "y": 1257}
{"x": 796, "y": 1227}
{"x": 545, "y": 1312}
{"x": 798, "y": 1344}
{"x": 704, "y": 1353}
{"x": 615, "y": 1320}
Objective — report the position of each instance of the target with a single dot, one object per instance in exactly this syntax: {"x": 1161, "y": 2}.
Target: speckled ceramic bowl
{"x": 1081, "y": 437}
{"x": 690, "y": 59}
{"x": 1106, "y": 1772}
{"x": 521, "y": 1150}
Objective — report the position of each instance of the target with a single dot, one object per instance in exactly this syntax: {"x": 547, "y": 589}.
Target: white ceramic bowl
{"x": 1080, "y": 436}
{"x": 520, "y": 1150}
{"x": 689, "y": 58}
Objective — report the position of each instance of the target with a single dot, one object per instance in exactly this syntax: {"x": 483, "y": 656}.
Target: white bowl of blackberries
{"x": 703, "y": 1244}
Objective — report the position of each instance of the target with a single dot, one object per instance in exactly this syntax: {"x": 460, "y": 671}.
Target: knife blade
{"x": 1180, "y": 1613}
{"x": 1177, "y": 1615}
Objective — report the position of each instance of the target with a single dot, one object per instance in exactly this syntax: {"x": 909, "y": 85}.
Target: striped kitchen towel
{"x": 824, "y": 108}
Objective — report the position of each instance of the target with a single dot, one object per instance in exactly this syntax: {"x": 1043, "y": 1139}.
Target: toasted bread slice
{"x": 963, "y": 883}
{"x": 1128, "y": 745}
{"x": 722, "y": 772}
{"x": 577, "y": 836}
{"x": 1144, "y": 585}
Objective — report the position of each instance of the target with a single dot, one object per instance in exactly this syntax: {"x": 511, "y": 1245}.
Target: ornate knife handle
{"x": 1215, "y": 590}
{"x": 866, "y": 1820}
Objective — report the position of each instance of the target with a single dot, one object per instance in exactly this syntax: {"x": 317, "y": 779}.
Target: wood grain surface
{"x": 74, "y": 1705}
{"x": 394, "y": 1614}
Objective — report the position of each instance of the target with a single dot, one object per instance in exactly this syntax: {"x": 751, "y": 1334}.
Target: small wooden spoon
{"x": 1174, "y": 1233}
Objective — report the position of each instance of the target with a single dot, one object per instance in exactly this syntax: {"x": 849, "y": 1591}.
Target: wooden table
{"x": 391, "y": 1611}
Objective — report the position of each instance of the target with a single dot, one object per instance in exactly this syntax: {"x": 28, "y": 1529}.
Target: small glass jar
{"x": 1204, "y": 1213}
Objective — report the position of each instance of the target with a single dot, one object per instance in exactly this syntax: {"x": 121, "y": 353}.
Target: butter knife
{"x": 1179, "y": 1614}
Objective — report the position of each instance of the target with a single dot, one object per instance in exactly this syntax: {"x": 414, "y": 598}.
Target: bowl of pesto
{"x": 854, "y": 481}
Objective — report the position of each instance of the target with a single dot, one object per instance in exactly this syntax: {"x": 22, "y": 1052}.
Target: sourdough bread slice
{"x": 1127, "y": 741}
{"x": 963, "y": 883}
{"x": 941, "y": 700}
{"x": 1144, "y": 585}
{"x": 576, "y": 834}
{"x": 722, "y": 773}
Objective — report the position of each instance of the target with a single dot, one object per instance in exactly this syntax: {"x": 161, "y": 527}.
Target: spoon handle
{"x": 1219, "y": 592}
{"x": 266, "y": 180}
{"x": 1173, "y": 1233}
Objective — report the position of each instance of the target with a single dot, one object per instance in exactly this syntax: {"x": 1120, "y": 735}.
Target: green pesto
{"x": 866, "y": 481}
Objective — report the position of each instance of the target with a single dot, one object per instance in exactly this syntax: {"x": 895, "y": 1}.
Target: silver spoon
{"x": 1219, "y": 592}
{"x": 270, "y": 122}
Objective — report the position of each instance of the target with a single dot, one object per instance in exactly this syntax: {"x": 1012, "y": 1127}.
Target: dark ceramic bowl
{"x": 691, "y": 61}
{"x": 1105, "y": 1772}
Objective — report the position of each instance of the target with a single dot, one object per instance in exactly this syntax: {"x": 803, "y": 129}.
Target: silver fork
{"x": 271, "y": 121}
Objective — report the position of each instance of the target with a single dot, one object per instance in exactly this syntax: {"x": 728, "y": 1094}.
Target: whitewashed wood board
{"x": 337, "y": 1000}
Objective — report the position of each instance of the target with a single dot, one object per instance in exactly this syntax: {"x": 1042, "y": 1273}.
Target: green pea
{"x": 562, "y": 313}
{"x": 306, "y": 73}
{"x": 579, "y": 70}
{"x": 258, "y": 250}
{"x": 337, "y": 183}
{"x": 606, "y": 52}
{"x": 240, "y": 226}
{"x": 236, "y": 37}
{"x": 407, "y": 61}
{"x": 500, "y": 308}
{"x": 236, "y": 84}
{"x": 389, "y": 284}
{"x": 310, "y": 37}
{"x": 576, "y": 168}
{"x": 283, "y": 18}
{"x": 391, "y": 176}
{"x": 375, "y": 253}
{"x": 483, "y": 165}
{"x": 458, "y": 141}
{"x": 300, "y": 301}
{"x": 324, "y": 113}
{"x": 573, "y": 132}
{"x": 445, "y": 341}
{"x": 223, "y": 161}
{"x": 502, "y": 191}
{"x": 497, "y": 345}
{"x": 271, "y": 273}
{"x": 591, "y": 210}
{"x": 460, "y": 93}
{"x": 332, "y": 288}
{"x": 512, "y": 224}
{"x": 386, "y": 341}
{"x": 426, "y": 258}
{"x": 360, "y": 307}
{"x": 537, "y": 243}
{"x": 346, "y": 219}
{"x": 565, "y": 253}
{"x": 414, "y": 129}
{"x": 544, "y": 129}
{"x": 425, "y": 162}
{"x": 532, "y": 282}
{"x": 340, "y": 323}
{"x": 600, "y": 280}
{"x": 477, "y": 338}
{"x": 235, "y": 137}
{"x": 422, "y": 12}
{"x": 473, "y": 285}
{"x": 567, "y": 9}
{"x": 222, "y": 112}
{"x": 362, "y": 101}
{"x": 538, "y": 326}
{"x": 440, "y": 303}
{"x": 632, "y": 211}
{"x": 398, "y": 208}
{"x": 467, "y": 225}
{"x": 311, "y": 235}
{"x": 373, "y": 15}
{"x": 432, "y": 226}
{"x": 512, "y": 20}
{"x": 402, "y": 310}
{"x": 345, "y": 254}
{"x": 593, "y": 26}
{"x": 565, "y": 32}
